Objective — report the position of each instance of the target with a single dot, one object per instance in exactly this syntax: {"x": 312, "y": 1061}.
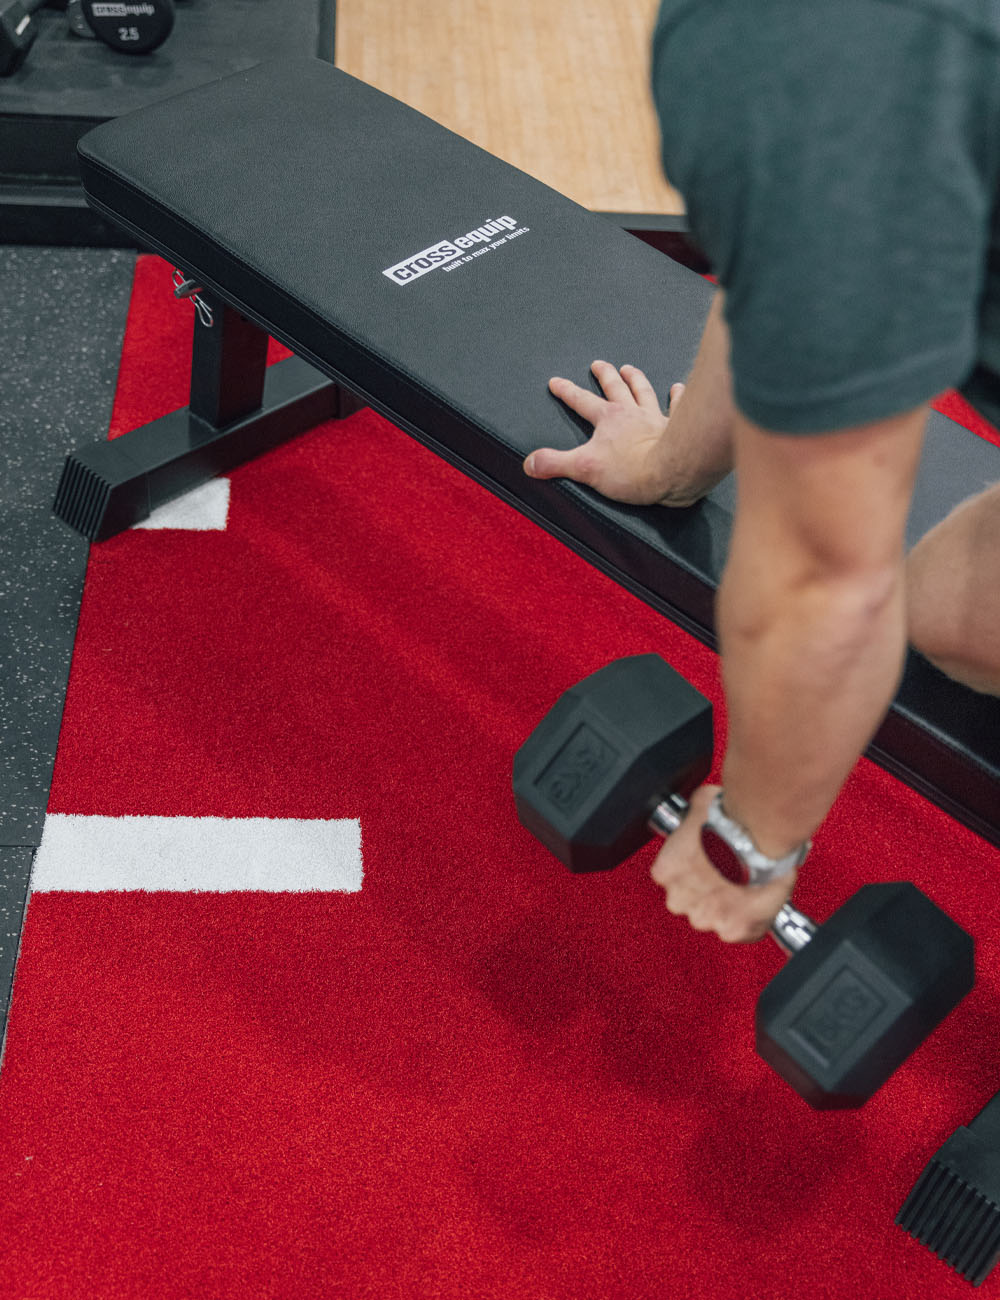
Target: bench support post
{"x": 239, "y": 408}
{"x": 228, "y": 363}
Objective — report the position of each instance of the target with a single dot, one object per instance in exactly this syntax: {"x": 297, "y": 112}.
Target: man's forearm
{"x": 697, "y": 451}
{"x": 809, "y": 672}
{"x": 811, "y": 661}
{"x": 812, "y": 628}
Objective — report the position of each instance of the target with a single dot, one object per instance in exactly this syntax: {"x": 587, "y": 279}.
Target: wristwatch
{"x": 731, "y": 850}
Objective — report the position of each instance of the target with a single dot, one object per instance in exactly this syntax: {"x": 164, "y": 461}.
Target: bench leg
{"x": 239, "y": 408}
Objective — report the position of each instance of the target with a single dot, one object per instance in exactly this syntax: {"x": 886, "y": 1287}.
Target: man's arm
{"x": 698, "y": 451}
{"x": 809, "y": 611}
{"x": 811, "y": 615}
{"x": 812, "y": 626}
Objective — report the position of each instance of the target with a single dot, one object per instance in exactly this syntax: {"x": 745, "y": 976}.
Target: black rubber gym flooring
{"x": 62, "y": 318}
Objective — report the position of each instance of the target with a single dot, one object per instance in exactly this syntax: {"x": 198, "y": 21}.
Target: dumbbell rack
{"x": 68, "y": 85}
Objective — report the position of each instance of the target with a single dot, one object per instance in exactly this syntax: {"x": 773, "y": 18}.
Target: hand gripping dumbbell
{"x": 614, "y": 761}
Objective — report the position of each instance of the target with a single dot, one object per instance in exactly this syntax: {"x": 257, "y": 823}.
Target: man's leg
{"x": 953, "y": 593}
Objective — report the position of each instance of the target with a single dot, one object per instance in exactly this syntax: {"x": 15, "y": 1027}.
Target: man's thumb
{"x": 548, "y": 463}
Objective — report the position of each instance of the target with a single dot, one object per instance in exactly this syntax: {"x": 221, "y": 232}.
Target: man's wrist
{"x": 770, "y": 832}
{"x": 732, "y": 850}
{"x": 685, "y": 468}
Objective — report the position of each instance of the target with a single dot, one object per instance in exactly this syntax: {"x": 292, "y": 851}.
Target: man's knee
{"x": 953, "y": 596}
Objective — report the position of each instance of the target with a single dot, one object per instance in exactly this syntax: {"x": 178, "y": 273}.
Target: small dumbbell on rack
{"x": 18, "y": 32}
{"x": 127, "y": 28}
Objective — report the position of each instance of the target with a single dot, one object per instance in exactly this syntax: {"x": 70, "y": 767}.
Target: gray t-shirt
{"x": 840, "y": 162}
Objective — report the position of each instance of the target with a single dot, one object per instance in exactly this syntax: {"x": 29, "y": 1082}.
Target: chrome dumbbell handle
{"x": 791, "y": 929}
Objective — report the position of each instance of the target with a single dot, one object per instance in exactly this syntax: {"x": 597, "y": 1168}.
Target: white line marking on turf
{"x": 215, "y": 854}
{"x": 203, "y": 509}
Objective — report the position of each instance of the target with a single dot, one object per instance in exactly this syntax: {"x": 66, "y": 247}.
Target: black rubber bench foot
{"x": 110, "y": 486}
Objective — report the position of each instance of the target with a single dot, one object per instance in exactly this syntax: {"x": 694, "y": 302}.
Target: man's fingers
{"x": 704, "y": 914}
{"x": 641, "y": 389}
{"x": 614, "y": 386}
{"x": 674, "y": 905}
{"x": 581, "y": 400}
{"x": 739, "y": 930}
{"x": 618, "y": 386}
{"x": 684, "y": 897}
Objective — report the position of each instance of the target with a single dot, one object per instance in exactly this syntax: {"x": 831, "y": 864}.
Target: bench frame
{"x": 239, "y": 408}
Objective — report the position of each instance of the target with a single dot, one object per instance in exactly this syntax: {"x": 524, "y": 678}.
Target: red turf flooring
{"x": 478, "y": 1077}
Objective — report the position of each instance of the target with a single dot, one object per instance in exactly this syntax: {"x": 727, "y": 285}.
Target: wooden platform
{"x": 559, "y": 89}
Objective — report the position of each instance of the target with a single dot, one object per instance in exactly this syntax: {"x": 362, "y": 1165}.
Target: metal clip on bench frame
{"x": 239, "y": 408}
{"x": 185, "y": 288}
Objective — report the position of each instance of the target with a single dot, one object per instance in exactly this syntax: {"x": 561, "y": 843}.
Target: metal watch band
{"x": 759, "y": 868}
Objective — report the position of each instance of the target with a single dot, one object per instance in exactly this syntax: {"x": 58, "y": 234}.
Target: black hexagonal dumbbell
{"x": 613, "y": 762}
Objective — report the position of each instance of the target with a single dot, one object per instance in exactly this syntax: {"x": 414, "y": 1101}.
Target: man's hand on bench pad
{"x": 624, "y": 458}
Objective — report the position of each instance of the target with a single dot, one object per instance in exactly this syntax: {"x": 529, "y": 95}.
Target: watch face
{"x": 723, "y": 857}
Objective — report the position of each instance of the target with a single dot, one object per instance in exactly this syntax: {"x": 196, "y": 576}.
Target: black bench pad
{"x": 290, "y": 189}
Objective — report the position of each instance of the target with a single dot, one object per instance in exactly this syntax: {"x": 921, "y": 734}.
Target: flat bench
{"x": 412, "y": 272}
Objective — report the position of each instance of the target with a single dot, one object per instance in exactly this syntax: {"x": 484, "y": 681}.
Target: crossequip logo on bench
{"x": 449, "y": 254}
